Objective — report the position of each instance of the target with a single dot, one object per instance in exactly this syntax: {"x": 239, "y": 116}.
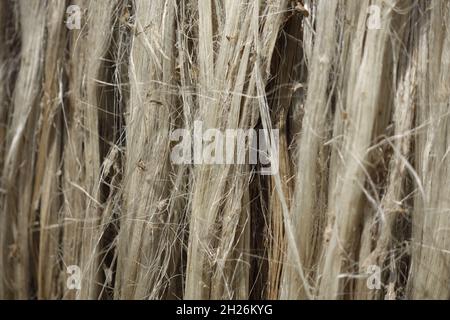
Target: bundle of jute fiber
{"x": 227, "y": 149}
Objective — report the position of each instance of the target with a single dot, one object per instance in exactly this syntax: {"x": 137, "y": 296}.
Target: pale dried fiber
{"x": 86, "y": 180}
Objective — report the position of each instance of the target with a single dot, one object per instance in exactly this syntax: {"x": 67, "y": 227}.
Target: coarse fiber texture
{"x": 92, "y": 205}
